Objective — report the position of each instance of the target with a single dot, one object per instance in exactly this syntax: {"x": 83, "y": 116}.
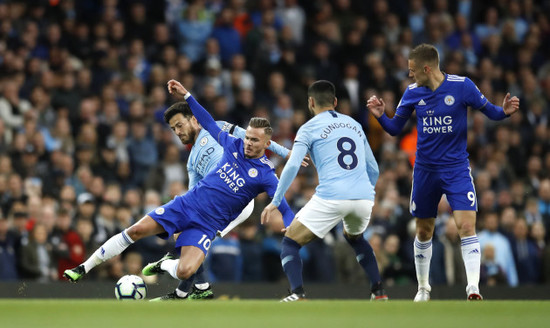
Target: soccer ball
{"x": 130, "y": 287}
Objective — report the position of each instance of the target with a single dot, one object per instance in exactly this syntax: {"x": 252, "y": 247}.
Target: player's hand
{"x": 376, "y": 106}
{"x": 304, "y": 161}
{"x": 510, "y": 105}
{"x": 268, "y": 212}
{"x": 176, "y": 88}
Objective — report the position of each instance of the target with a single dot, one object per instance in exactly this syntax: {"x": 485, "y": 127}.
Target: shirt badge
{"x": 159, "y": 210}
{"x": 253, "y": 173}
{"x": 204, "y": 141}
{"x": 449, "y": 100}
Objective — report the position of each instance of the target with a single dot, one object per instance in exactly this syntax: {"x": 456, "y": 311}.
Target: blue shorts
{"x": 429, "y": 186}
{"x": 175, "y": 217}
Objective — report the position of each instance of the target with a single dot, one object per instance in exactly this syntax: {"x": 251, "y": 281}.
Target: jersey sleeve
{"x": 284, "y": 208}
{"x": 404, "y": 110}
{"x": 473, "y": 96}
{"x": 290, "y": 170}
{"x": 207, "y": 122}
{"x": 475, "y": 99}
{"x": 372, "y": 165}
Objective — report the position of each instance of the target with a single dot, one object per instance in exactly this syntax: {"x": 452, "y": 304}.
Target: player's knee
{"x": 185, "y": 271}
{"x": 136, "y": 232}
{"x": 423, "y": 234}
{"x": 466, "y": 229}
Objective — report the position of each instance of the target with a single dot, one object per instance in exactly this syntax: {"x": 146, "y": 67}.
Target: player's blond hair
{"x": 425, "y": 54}
{"x": 260, "y": 122}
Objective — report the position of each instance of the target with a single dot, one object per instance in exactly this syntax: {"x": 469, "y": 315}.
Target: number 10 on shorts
{"x": 205, "y": 242}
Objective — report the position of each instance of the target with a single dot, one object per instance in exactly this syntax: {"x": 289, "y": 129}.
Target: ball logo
{"x": 204, "y": 140}
{"x": 253, "y": 173}
{"x": 449, "y": 100}
{"x": 159, "y": 211}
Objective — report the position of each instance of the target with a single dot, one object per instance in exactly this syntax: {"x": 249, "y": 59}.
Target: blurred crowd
{"x": 84, "y": 151}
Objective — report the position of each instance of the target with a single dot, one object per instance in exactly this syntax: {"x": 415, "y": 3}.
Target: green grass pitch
{"x": 263, "y": 314}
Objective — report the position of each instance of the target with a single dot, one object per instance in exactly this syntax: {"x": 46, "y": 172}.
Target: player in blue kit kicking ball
{"x": 205, "y": 154}
{"x": 242, "y": 173}
{"x": 347, "y": 173}
{"x": 442, "y": 167}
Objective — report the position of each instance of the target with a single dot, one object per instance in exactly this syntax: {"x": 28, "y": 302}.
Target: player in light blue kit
{"x": 242, "y": 173}
{"x": 347, "y": 173}
{"x": 204, "y": 156}
{"x": 441, "y": 102}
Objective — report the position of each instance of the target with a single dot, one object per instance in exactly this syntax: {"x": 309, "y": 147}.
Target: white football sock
{"x": 203, "y": 286}
{"x": 181, "y": 293}
{"x": 471, "y": 255}
{"x": 170, "y": 266}
{"x": 112, "y": 247}
{"x": 422, "y": 258}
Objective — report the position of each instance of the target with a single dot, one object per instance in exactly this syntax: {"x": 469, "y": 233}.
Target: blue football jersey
{"x": 441, "y": 121}
{"x": 341, "y": 153}
{"x": 206, "y": 152}
{"x": 226, "y": 190}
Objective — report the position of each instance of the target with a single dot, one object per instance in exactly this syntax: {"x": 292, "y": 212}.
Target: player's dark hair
{"x": 181, "y": 107}
{"x": 323, "y": 92}
{"x": 260, "y": 122}
{"x": 425, "y": 53}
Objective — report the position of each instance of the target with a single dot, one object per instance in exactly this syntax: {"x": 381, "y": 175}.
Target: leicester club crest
{"x": 253, "y": 173}
{"x": 449, "y": 100}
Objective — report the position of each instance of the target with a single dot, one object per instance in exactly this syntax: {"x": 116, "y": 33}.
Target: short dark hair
{"x": 323, "y": 92}
{"x": 260, "y": 122}
{"x": 425, "y": 53}
{"x": 181, "y": 107}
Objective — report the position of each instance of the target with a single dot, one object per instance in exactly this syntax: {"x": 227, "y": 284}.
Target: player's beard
{"x": 188, "y": 138}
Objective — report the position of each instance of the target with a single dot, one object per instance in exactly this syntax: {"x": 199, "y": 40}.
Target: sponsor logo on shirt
{"x": 231, "y": 177}
{"x": 437, "y": 124}
{"x": 421, "y": 102}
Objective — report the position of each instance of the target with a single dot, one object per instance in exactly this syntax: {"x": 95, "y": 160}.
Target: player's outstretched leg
{"x": 153, "y": 268}
{"x": 292, "y": 266}
{"x": 114, "y": 246}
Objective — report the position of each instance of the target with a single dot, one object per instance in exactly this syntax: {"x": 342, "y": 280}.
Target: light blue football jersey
{"x": 441, "y": 121}
{"x": 206, "y": 152}
{"x": 341, "y": 153}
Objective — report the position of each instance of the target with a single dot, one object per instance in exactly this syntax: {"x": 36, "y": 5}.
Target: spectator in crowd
{"x": 70, "y": 76}
{"x": 8, "y": 256}
{"x": 526, "y": 255}
{"x": 502, "y": 251}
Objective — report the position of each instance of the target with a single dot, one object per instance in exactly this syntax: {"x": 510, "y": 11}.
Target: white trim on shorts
{"x": 321, "y": 215}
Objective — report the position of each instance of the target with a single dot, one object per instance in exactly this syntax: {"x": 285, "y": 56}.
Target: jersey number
{"x": 205, "y": 242}
{"x": 347, "y": 152}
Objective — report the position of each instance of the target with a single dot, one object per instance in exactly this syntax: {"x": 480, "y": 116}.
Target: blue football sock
{"x": 185, "y": 285}
{"x": 366, "y": 258}
{"x": 292, "y": 264}
{"x": 200, "y": 276}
